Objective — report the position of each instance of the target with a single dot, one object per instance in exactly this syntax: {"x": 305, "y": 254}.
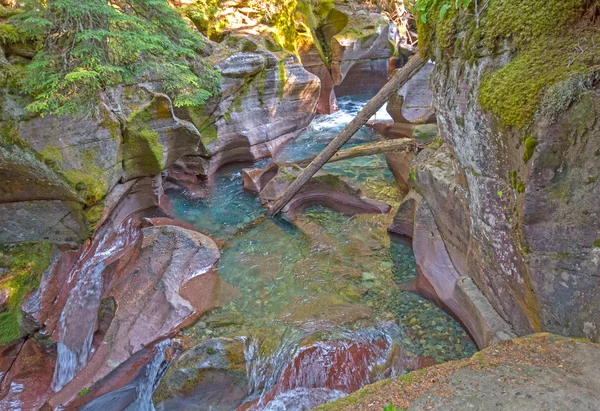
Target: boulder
{"x": 209, "y": 376}
{"x": 36, "y": 203}
{"x": 87, "y": 152}
{"x": 241, "y": 65}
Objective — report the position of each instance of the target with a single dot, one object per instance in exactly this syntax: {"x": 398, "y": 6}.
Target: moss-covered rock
{"x": 22, "y": 267}
{"x": 155, "y": 138}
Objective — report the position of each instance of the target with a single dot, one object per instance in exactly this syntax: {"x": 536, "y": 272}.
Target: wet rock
{"x": 209, "y": 376}
{"x": 26, "y": 384}
{"x": 358, "y": 62}
{"x": 330, "y": 190}
{"x": 255, "y": 115}
{"x": 152, "y": 298}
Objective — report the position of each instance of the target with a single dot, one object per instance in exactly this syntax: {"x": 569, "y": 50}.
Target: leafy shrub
{"x": 89, "y": 45}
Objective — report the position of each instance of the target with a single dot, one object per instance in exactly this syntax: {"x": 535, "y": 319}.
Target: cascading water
{"x": 78, "y": 319}
{"x": 152, "y": 373}
{"x": 137, "y": 395}
{"x": 298, "y": 378}
{"x": 263, "y": 371}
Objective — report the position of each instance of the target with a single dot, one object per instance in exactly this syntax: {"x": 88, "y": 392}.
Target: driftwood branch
{"x": 398, "y": 79}
{"x": 400, "y": 144}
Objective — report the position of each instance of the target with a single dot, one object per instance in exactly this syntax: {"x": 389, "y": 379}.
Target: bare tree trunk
{"x": 401, "y": 76}
{"x": 400, "y": 144}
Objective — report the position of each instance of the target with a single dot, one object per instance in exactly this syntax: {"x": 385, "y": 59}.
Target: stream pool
{"x": 323, "y": 282}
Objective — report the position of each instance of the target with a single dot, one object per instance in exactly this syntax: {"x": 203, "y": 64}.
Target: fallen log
{"x": 398, "y": 79}
{"x": 401, "y": 144}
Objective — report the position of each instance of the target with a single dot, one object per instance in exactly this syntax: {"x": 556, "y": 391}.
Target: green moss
{"x": 597, "y": 243}
{"x": 324, "y": 7}
{"x": 331, "y": 180}
{"x": 530, "y": 145}
{"x": 287, "y": 177}
{"x": 89, "y": 181}
{"x": 259, "y": 82}
{"x": 433, "y": 28}
{"x": 205, "y": 125}
{"x": 94, "y": 214}
{"x": 436, "y": 143}
{"x": 6, "y": 12}
{"x": 9, "y": 34}
{"x": 26, "y": 263}
{"x": 521, "y": 187}
{"x": 525, "y": 21}
{"x": 534, "y": 70}
{"x": 52, "y": 156}
{"x": 89, "y": 186}
{"x": 513, "y": 179}
{"x": 143, "y": 141}
{"x": 282, "y": 76}
{"x": 11, "y": 76}
{"x": 412, "y": 174}
{"x": 83, "y": 392}
{"x": 550, "y": 48}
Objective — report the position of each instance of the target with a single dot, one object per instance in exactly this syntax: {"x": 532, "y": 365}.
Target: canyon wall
{"x": 513, "y": 188}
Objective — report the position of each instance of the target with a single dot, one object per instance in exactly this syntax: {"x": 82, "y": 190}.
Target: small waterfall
{"x": 264, "y": 371}
{"x": 297, "y": 378}
{"x": 78, "y": 319}
{"x": 137, "y": 395}
{"x": 153, "y": 372}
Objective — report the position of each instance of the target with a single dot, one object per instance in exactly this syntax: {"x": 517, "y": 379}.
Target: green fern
{"x": 93, "y": 44}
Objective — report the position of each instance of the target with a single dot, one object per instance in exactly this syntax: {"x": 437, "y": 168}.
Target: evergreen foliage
{"x": 89, "y": 45}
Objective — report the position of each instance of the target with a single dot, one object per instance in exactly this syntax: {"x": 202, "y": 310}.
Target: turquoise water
{"x": 326, "y": 273}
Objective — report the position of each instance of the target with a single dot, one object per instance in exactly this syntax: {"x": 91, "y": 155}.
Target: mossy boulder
{"x": 209, "y": 376}
{"x": 22, "y": 267}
